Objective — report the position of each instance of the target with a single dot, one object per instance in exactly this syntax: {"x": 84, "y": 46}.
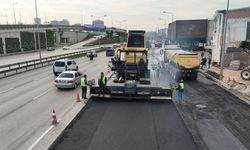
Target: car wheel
{"x": 75, "y": 85}
{"x": 245, "y": 74}
{"x": 55, "y": 73}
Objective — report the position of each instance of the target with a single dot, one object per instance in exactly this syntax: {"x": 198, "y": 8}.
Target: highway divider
{"x": 20, "y": 67}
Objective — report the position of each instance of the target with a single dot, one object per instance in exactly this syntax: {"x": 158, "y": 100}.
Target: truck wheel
{"x": 75, "y": 85}
{"x": 194, "y": 77}
{"x": 245, "y": 74}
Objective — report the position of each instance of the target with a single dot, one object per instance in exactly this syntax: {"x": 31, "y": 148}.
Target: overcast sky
{"x": 135, "y": 14}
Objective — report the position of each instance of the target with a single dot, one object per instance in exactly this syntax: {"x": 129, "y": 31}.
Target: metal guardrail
{"x": 16, "y": 68}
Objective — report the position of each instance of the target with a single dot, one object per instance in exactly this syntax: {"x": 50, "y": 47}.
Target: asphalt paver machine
{"x": 130, "y": 77}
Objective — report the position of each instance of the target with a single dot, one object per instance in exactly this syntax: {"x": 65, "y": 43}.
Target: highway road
{"x": 215, "y": 118}
{"x": 27, "y": 100}
{"x": 130, "y": 125}
{"x": 4, "y": 60}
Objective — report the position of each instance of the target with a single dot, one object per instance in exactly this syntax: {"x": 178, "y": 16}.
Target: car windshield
{"x": 59, "y": 64}
{"x": 66, "y": 75}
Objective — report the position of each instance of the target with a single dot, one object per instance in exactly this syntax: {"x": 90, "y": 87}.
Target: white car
{"x": 64, "y": 65}
{"x": 65, "y": 48}
{"x": 68, "y": 79}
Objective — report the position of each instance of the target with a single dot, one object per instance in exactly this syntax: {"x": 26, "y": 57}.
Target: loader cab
{"x": 132, "y": 57}
{"x": 133, "y": 62}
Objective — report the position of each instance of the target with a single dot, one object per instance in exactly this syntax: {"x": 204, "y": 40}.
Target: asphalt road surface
{"x": 27, "y": 100}
{"x": 216, "y": 118}
{"x": 127, "y": 125}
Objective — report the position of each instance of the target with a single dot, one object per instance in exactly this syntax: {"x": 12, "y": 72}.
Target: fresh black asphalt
{"x": 126, "y": 125}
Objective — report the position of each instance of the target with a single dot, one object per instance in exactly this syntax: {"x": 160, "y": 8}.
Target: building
{"x": 37, "y": 21}
{"x": 210, "y": 34}
{"x": 98, "y": 24}
{"x": 238, "y": 29}
{"x": 63, "y": 22}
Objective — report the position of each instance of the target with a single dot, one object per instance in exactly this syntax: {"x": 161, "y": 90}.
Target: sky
{"x": 130, "y": 14}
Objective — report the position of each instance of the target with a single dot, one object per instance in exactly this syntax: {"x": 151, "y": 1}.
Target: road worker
{"x": 102, "y": 82}
{"x": 180, "y": 89}
{"x": 84, "y": 85}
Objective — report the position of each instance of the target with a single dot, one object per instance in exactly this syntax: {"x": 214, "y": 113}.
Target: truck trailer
{"x": 189, "y": 34}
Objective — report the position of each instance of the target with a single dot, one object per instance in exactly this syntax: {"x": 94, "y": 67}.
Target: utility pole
{"x": 14, "y": 12}
{"x": 223, "y": 48}
{"x": 38, "y": 36}
{"x": 172, "y": 15}
{"x": 20, "y": 16}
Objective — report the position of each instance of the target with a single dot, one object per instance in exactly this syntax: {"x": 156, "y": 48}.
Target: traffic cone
{"x": 54, "y": 120}
{"x": 78, "y": 99}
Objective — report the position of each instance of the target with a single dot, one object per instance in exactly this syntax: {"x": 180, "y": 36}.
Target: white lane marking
{"x": 34, "y": 144}
{"x": 6, "y": 90}
{"x": 41, "y": 94}
{"x": 42, "y": 136}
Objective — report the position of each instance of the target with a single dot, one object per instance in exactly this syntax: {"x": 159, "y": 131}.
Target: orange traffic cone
{"x": 54, "y": 120}
{"x": 78, "y": 97}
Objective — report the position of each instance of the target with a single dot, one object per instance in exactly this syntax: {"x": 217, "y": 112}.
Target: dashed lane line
{"x": 41, "y": 94}
{"x": 24, "y": 104}
{"x": 6, "y": 90}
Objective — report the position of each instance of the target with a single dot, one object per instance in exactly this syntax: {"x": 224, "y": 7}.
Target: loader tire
{"x": 245, "y": 74}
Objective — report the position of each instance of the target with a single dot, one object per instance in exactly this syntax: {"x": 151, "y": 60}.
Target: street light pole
{"x": 172, "y": 15}
{"x": 223, "y": 48}
{"x": 20, "y": 16}
{"x": 14, "y": 12}
{"x": 37, "y": 29}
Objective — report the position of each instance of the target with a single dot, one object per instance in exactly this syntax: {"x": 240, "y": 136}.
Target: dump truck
{"x": 189, "y": 34}
{"x": 131, "y": 76}
{"x": 182, "y": 64}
